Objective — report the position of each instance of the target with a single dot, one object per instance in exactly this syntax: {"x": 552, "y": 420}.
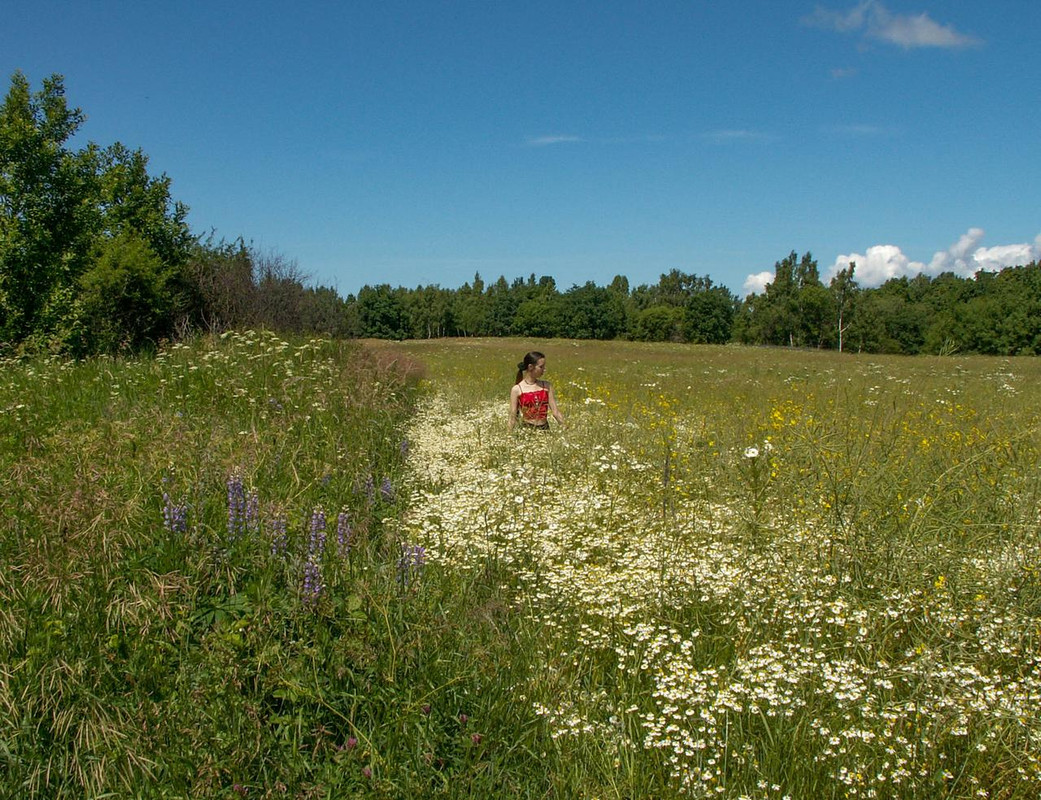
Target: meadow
{"x": 253, "y": 567}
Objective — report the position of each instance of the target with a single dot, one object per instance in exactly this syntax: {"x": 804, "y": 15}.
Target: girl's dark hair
{"x": 529, "y": 359}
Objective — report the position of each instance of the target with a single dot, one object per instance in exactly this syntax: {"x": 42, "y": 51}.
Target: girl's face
{"x": 538, "y": 367}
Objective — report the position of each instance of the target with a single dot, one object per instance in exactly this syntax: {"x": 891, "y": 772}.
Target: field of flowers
{"x": 755, "y": 573}
{"x": 252, "y": 567}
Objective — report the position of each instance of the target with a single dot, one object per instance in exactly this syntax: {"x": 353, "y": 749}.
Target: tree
{"x": 902, "y": 317}
{"x": 540, "y": 317}
{"x": 592, "y": 312}
{"x": 471, "y": 311}
{"x": 501, "y": 307}
{"x": 777, "y": 311}
{"x": 124, "y": 301}
{"x": 218, "y": 287}
{"x": 278, "y": 297}
{"x": 45, "y": 207}
{"x": 843, "y": 290}
{"x": 324, "y": 312}
{"x": 428, "y": 309}
{"x": 381, "y": 312}
{"x": 709, "y": 316}
{"x": 660, "y": 323}
{"x": 63, "y": 210}
{"x": 542, "y": 313}
{"x": 812, "y": 305}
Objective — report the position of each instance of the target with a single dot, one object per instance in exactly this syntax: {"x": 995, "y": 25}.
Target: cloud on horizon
{"x": 875, "y": 21}
{"x": 756, "y": 283}
{"x": 882, "y": 262}
{"x": 965, "y": 257}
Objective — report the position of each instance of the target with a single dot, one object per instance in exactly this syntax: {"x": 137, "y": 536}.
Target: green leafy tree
{"x": 61, "y": 210}
{"x": 540, "y": 317}
{"x": 501, "y": 306}
{"x": 381, "y": 312}
{"x": 324, "y": 312}
{"x": 131, "y": 199}
{"x": 813, "y": 310}
{"x": 542, "y": 313}
{"x": 660, "y": 323}
{"x": 709, "y": 316}
{"x": 124, "y": 302}
{"x": 429, "y": 312}
{"x": 778, "y": 309}
{"x": 592, "y": 312}
{"x": 471, "y": 310}
{"x": 901, "y": 315}
{"x": 843, "y": 288}
{"x": 46, "y": 211}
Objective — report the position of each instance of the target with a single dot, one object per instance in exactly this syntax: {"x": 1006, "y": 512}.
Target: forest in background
{"x": 97, "y": 257}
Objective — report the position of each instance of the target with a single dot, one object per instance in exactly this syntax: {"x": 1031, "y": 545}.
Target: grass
{"x": 253, "y": 567}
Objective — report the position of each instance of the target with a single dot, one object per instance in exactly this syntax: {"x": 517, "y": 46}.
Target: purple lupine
{"x": 279, "y": 537}
{"x": 175, "y": 515}
{"x": 236, "y": 508}
{"x": 410, "y": 565}
{"x": 344, "y": 534}
{"x": 313, "y": 565}
{"x": 387, "y": 490}
{"x": 370, "y": 488}
{"x": 312, "y": 581}
{"x": 316, "y": 537}
{"x": 253, "y": 513}
{"x": 404, "y": 448}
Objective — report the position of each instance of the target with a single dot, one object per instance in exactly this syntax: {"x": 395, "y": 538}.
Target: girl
{"x": 532, "y": 398}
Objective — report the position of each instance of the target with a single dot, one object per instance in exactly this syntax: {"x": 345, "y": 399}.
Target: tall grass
{"x": 205, "y": 593}
{"x": 252, "y": 567}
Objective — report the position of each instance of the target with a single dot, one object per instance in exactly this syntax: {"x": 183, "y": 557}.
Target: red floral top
{"x": 534, "y": 406}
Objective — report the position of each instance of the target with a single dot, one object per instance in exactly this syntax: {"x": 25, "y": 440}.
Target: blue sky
{"x": 421, "y": 142}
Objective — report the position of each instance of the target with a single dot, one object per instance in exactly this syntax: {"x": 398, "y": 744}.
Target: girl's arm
{"x": 514, "y": 396}
{"x": 553, "y": 405}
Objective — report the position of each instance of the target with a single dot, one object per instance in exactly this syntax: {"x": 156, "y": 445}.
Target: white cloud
{"x": 843, "y": 72}
{"x": 878, "y": 22}
{"x": 548, "y": 141}
{"x": 877, "y": 265}
{"x": 993, "y": 259}
{"x": 841, "y": 21}
{"x": 958, "y": 257}
{"x": 756, "y": 284}
{"x": 881, "y": 262}
{"x": 543, "y": 141}
{"x": 919, "y": 31}
{"x": 965, "y": 257}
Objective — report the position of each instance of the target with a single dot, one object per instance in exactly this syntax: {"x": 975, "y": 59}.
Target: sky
{"x": 418, "y": 143}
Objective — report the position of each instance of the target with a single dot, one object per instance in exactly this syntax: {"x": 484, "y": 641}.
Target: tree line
{"x": 97, "y": 257}
{"x": 997, "y": 313}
